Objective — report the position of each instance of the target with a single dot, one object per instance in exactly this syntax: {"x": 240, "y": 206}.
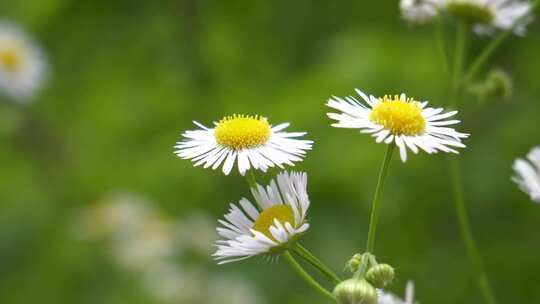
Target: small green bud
{"x": 355, "y": 291}
{"x": 380, "y": 275}
{"x": 498, "y": 85}
{"x": 354, "y": 263}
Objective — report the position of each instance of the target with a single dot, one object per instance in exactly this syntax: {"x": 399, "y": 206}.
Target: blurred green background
{"x": 129, "y": 76}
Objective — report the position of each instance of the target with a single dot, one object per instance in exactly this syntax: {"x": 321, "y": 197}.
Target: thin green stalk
{"x": 307, "y": 277}
{"x": 459, "y": 56}
{"x": 486, "y": 53}
{"x": 441, "y": 45}
{"x": 315, "y": 262}
{"x": 377, "y": 197}
{"x": 465, "y": 229}
{"x": 251, "y": 180}
{"x": 473, "y": 253}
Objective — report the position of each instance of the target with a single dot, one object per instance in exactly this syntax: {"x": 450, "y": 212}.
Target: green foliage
{"x": 129, "y": 76}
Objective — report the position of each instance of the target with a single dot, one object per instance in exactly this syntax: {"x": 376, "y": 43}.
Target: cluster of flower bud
{"x": 367, "y": 276}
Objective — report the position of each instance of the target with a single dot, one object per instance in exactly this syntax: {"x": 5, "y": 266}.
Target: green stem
{"x": 465, "y": 229}
{"x": 251, "y": 180}
{"x": 441, "y": 45}
{"x": 377, "y": 197}
{"x": 308, "y": 278}
{"x": 459, "y": 56}
{"x": 315, "y": 262}
{"x": 484, "y": 56}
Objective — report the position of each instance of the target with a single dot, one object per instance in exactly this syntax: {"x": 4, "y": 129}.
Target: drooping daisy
{"x": 418, "y": 11}
{"x": 389, "y": 298}
{"x": 268, "y": 228}
{"x": 528, "y": 174}
{"x": 397, "y": 119}
{"x": 488, "y": 15}
{"x": 250, "y": 140}
{"x": 22, "y": 64}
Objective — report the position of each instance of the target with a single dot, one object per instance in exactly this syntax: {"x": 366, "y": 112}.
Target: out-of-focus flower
{"x": 23, "y": 67}
{"x": 418, "y": 11}
{"x": 250, "y": 140}
{"x": 249, "y": 232}
{"x": 152, "y": 246}
{"x": 528, "y": 174}
{"x": 389, "y": 298}
{"x": 408, "y": 123}
{"x": 490, "y": 15}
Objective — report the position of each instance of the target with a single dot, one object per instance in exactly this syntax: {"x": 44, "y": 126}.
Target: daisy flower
{"x": 397, "y": 119}
{"x": 271, "y": 226}
{"x": 22, "y": 64}
{"x": 528, "y": 174}
{"x": 418, "y": 11}
{"x": 250, "y": 140}
{"x": 488, "y": 15}
{"x": 388, "y": 298}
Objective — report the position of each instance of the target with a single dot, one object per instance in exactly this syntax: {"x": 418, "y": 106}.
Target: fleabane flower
{"x": 269, "y": 227}
{"x": 408, "y": 123}
{"x": 249, "y": 140}
{"x": 488, "y": 15}
{"x": 22, "y": 64}
{"x": 527, "y": 174}
{"x": 418, "y": 11}
{"x": 389, "y": 298}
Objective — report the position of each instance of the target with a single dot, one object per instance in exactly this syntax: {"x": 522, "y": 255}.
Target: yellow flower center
{"x": 282, "y": 213}
{"x": 242, "y": 132}
{"x": 10, "y": 59}
{"x": 401, "y": 117}
{"x": 470, "y": 12}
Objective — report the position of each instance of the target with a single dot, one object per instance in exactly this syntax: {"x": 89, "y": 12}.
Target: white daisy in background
{"x": 489, "y": 15}
{"x": 418, "y": 11}
{"x": 397, "y": 119}
{"x": 388, "y": 298}
{"x": 22, "y": 63}
{"x": 277, "y": 221}
{"x": 528, "y": 174}
{"x": 250, "y": 140}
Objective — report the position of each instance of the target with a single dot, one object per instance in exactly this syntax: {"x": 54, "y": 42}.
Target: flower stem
{"x": 251, "y": 180}
{"x": 306, "y": 276}
{"x": 459, "y": 55}
{"x": 465, "y": 229}
{"x": 377, "y": 197}
{"x": 315, "y": 262}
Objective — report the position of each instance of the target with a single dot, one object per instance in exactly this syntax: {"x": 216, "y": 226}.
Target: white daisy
{"x": 528, "y": 174}
{"x": 418, "y": 11}
{"x": 22, "y": 64}
{"x": 400, "y": 120}
{"x": 488, "y": 15}
{"x": 250, "y": 139}
{"x": 270, "y": 227}
{"x": 389, "y": 298}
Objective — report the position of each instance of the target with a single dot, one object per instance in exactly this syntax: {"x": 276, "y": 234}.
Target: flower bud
{"x": 380, "y": 275}
{"x": 355, "y": 291}
{"x": 354, "y": 263}
{"x": 498, "y": 85}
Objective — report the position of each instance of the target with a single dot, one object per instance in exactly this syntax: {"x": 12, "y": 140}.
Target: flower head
{"x": 22, "y": 64}
{"x": 405, "y": 121}
{"x": 249, "y": 139}
{"x": 488, "y": 15}
{"x": 418, "y": 11}
{"x": 528, "y": 174}
{"x": 271, "y": 226}
{"x": 388, "y": 298}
